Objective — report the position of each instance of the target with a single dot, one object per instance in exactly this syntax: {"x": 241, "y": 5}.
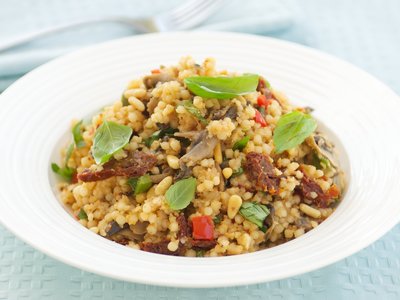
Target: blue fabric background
{"x": 365, "y": 33}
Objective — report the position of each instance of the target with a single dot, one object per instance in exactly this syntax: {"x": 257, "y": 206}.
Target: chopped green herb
{"x": 292, "y": 129}
{"x": 65, "y": 172}
{"x": 217, "y": 219}
{"x": 320, "y": 162}
{"x": 325, "y": 163}
{"x": 159, "y": 134}
{"x": 109, "y": 138}
{"x": 181, "y": 193}
{"x": 237, "y": 172}
{"x": 155, "y": 136}
{"x": 188, "y": 105}
{"x": 254, "y": 212}
{"x": 82, "y": 215}
{"x": 262, "y": 111}
{"x": 133, "y": 182}
{"x": 140, "y": 184}
{"x": 241, "y": 144}
{"x": 124, "y": 100}
{"x": 68, "y": 154}
{"x": 77, "y": 134}
{"x": 200, "y": 253}
{"x": 222, "y": 87}
{"x": 143, "y": 184}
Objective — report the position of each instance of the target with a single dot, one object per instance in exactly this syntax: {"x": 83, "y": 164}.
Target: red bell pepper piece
{"x": 260, "y": 119}
{"x": 203, "y": 228}
{"x": 262, "y": 100}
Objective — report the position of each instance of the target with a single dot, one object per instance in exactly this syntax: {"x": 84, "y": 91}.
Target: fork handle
{"x": 25, "y": 38}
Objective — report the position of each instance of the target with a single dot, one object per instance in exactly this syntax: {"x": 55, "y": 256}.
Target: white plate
{"x": 36, "y": 111}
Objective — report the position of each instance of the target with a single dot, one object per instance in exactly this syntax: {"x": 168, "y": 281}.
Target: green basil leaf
{"x": 82, "y": 215}
{"x": 222, "y": 87}
{"x": 237, "y": 172}
{"x": 65, "y": 172}
{"x": 159, "y": 134}
{"x": 181, "y": 193}
{"x": 254, "y": 212}
{"x": 108, "y": 139}
{"x": 292, "y": 129}
{"x": 188, "y": 105}
{"x": 241, "y": 144}
{"x": 77, "y": 134}
{"x": 124, "y": 100}
{"x": 143, "y": 184}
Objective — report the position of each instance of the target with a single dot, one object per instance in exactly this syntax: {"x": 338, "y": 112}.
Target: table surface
{"x": 362, "y": 32}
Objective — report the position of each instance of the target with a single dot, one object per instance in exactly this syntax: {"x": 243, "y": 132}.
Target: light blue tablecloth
{"x": 362, "y": 32}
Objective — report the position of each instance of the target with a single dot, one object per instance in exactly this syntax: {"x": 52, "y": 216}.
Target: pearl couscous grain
{"x": 240, "y": 194}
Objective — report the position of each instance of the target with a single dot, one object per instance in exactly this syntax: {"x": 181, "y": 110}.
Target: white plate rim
{"x": 332, "y": 259}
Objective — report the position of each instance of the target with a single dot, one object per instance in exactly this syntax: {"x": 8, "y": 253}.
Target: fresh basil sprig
{"x": 292, "y": 129}
{"x": 77, "y": 134}
{"x": 140, "y": 185}
{"x": 188, "y": 105}
{"x": 109, "y": 138}
{"x": 241, "y": 144}
{"x": 65, "y": 172}
{"x": 222, "y": 87}
{"x": 254, "y": 212}
{"x": 181, "y": 193}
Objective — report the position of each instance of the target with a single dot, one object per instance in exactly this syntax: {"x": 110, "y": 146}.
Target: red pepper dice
{"x": 203, "y": 228}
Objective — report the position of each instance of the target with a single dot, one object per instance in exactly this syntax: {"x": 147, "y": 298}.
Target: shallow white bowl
{"x": 35, "y": 114}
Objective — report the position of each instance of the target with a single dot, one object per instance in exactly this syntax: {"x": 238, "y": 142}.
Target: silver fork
{"x": 186, "y": 16}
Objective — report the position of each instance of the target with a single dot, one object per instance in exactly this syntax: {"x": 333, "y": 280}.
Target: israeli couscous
{"x": 192, "y": 161}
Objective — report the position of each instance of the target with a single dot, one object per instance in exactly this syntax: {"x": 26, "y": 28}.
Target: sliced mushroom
{"x": 139, "y": 227}
{"x": 150, "y": 81}
{"x": 184, "y": 172}
{"x": 226, "y": 112}
{"x": 323, "y": 148}
{"x": 304, "y": 223}
{"x": 158, "y": 177}
{"x": 114, "y": 228}
{"x": 339, "y": 180}
{"x": 269, "y": 220}
{"x": 202, "y": 147}
{"x": 192, "y": 135}
{"x": 126, "y": 233}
